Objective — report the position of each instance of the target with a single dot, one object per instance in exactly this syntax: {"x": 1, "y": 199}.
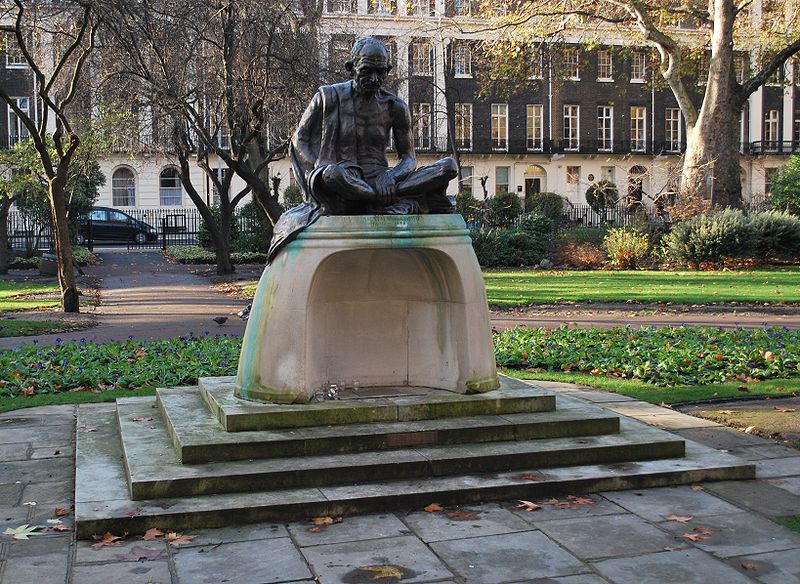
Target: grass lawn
{"x": 790, "y": 522}
{"x": 514, "y": 288}
{"x": 8, "y": 404}
{"x": 26, "y": 328}
{"x": 669, "y": 395}
{"x": 16, "y": 296}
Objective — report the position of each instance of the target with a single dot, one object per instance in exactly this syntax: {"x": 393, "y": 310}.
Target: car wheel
{"x": 140, "y": 238}
{"x": 80, "y": 239}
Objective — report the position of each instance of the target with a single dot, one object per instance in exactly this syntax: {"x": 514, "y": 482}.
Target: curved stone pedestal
{"x": 376, "y": 299}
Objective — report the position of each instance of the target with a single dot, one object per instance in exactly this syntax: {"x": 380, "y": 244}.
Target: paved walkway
{"x": 712, "y": 533}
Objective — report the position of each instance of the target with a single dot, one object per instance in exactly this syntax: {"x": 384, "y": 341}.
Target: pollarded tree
{"x": 766, "y": 29}
{"x": 54, "y": 39}
{"x": 226, "y": 82}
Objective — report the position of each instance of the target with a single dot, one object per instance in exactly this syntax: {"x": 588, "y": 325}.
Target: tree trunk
{"x": 5, "y": 255}
{"x": 63, "y": 244}
{"x": 711, "y": 162}
{"x": 222, "y": 241}
{"x": 265, "y": 200}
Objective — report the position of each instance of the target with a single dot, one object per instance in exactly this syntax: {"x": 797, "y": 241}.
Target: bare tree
{"x": 226, "y": 80}
{"x": 767, "y": 30}
{"x": 55, "y": 39}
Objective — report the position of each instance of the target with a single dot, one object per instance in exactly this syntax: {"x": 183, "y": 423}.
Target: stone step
{"x": 198, "y": 436}
{"x": 103, "y": 502}
{"x": 381, "y": 404}
{"x": 155, "y": 471}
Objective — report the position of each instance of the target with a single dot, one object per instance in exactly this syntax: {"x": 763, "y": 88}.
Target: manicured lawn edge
{"x": 77, "y": 397}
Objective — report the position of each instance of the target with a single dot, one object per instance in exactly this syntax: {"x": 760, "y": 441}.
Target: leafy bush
{"x": 584, "y": 256}
{"x": 536, "y": 223}
{"x": 256, "y": 232}
{"x": 709, "y": 238}
{"x": 508, "y": 247}
{"x": 504, "y": 209}
{"x": 688, "y": 208}
{"x": 550, "y": 205}
{"x": 83, "y": 256}
{"x": 204, "y": 235}
{"x": 470, "y": 208}
{"x": 627, "y": 248}
{"x": 193, "y": 254}
{"x": 602, "y": 195}
{"x": 777, "y": 234}
{"x": 661, "y": 356}
{"x": 23, "y": 263}
{"x": 292, "y": 196}
{"x": 249, "y": 257}
{"x": 786, "y": 188}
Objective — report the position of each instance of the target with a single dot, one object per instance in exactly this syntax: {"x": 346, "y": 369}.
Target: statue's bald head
{"x": 368, "y": 49}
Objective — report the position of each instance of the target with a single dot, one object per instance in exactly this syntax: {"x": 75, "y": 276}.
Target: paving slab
{"x": 738, "y": 534}
{"x": 759, "y": 496}
{"x": 37, "y": 569}
{"x": 144, "y": 572}
{"x": 778, "y": 467}
{"x": 690, "y": 566}
{"x": 10, "y": 494}
{"x": 247, "y": 532}
{"x": 463, "y": 521}
{"x": 549, "y": 510}
{"x": 721, "y": 438}
{"x": 770, "y": 568}
{"x": 791, "y": 484}
{"x": 244, "y": 562}
{"x": 510, "y": 557}
{"x": 632, "y": 536}
{"x": 578, "y": 579}
{"x": 354, "y": 528}
{"x": 126, "y": 552}
{"x": 40, "y": 545}
{"x": 766, "y": 451}
{"x": 657, "y": 504}
{"x": 361, "y": 561}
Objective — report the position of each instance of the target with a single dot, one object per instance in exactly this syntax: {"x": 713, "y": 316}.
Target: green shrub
{"x": 536, "y": 223}
{"x": 23, "y": 263}
{"x": 602, "y": 195}
{"x": 504, "y": 209}
{"x": 777, "y": 234}
{"x": 709, "y": 238}
{"x": 292, "y": 196}
{"x": 191, "y": 254}
{"x": 508, "y": 247}
{"x": 786, "y": 188}
{"x": 627, "y": 248}
{"x": 256, "y": 230}
{"x": 204, "y": 235}
{"x": 470, "y": 208}
{"x": 249, "y": 257}
{"x": 550, "y": 205}
{"x": 83, "y": 256}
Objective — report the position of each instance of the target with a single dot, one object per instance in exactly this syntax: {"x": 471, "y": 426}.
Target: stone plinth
{"x": 376, "y": 299}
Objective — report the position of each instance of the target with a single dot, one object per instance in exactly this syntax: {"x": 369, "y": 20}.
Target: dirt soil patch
{"x": 778, "y": 419}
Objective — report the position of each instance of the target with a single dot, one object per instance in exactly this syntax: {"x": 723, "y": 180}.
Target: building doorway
{"x": 535, "y": 179}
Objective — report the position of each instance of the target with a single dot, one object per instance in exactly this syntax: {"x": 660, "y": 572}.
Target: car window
{"x": 99, "y": 215}
{"x": 117, "y": 216}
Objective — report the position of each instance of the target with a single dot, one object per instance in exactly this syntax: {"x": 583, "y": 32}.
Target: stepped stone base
{"x": 168, "y": 462}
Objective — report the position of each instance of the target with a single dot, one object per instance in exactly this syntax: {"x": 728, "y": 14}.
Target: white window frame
{"x": 771, "y": 130}
{"x": 420, "y": 8}
{"x": 638, "y": 67}
{"x": 129, "y": 187}
{"x": 534, "y": 127}
{"x": 423, "y": 125}
{"x": 381, "y": 7}
{"x": 538, "y": 65}
{"x": 422, "y": 58}
{"x": 14, "y": 57}
{"x": 466, "y": 178}
{"x": 638, "y": 128}
{"x": 673, "y": 129}
{"x": 462, "y": 60}
{"x": 499, "y": 126}
{"x": 463, "y": 126}
{"x": 462, "y": 8}
{"x": 605, "y": 128}
{"x": 17, "y": 131}
{"x": 572, "y": 128}
{"x": 170, "y": 196}
{"x": 497, "y": 184}
{"x": 572, "y": 64}
{"x": 605, "y": 64}
{"x": 740, "y": 67}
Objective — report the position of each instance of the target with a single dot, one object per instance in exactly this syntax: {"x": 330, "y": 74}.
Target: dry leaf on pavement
{"x": 108, "y": 539}
{"x": 462, "y": 515}
{"x": 528, "y": 505}
{"x": 433, "y": 508}
{"x": 176, "y": 539}
{"x": 784, "y": 410}
{"x": 23, "y": 531}
{"x": 679, "y": 518}
{"x": 382, "y": 572}
{"x": 152, "y": 533}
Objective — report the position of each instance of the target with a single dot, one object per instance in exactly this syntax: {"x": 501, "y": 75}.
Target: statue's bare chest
{"x": 373, "y": 123}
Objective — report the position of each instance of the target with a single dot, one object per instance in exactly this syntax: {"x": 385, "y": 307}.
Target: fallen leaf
{"x": 176, "y": 539}
{"x": 87, "y": 428}
{"x": 108, "y": 539}
{"x": 697, "y": 488}
{"x": 384, "y": 571}
{"x": 528, "y": 506}
{"x": 749, "y": 429}
{"x": 23, "y": 531}
{"x": 679, "y": 518}
{"x": 138, "y": 554}
{"x": 315, "y": 529}
{"x": 61, "y": 512}
{"x": 727, "y": 412}
{"x": 531, "y": 477}
{"x": 750, "y": 565}
{"x": 433, "y": 508}
{"x": 699, "y": 534}
{"x": 784, "y": 410}
{"x": 775, "y": 481}
{"x": 325, "y": 520}
{"x": 152, "y": 533}
{"x": 60, "y": 528}
{"x": 141, "y": 419}
{"x": 462, "y": 515}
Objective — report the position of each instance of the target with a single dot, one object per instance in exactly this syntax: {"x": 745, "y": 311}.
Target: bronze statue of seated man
{"x": 339, "y": 152}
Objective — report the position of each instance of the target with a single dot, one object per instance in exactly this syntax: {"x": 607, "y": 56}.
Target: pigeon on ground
{"x": 220, "y": 320}
{"x": 244, "y": 313}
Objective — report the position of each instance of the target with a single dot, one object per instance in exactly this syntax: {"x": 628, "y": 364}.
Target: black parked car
{"x": 106, "y": 224}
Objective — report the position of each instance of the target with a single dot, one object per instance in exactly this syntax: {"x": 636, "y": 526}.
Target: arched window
{"x": 170, "y": 192}
{"x": 637, "y": 177}
{"x": 123, "y": 188}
